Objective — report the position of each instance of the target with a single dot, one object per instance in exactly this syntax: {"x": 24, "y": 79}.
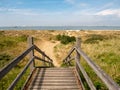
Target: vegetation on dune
{"x": 103, "y": 47}
{"x": 94, "y": 38}
{"x": 10, "y": 47}
{"x": 104, "y": 50}
{"x": 65, "y": 39}
{"x": 9, "y": 43}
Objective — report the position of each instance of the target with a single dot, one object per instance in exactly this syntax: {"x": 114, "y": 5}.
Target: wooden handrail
{"x": 20, "y": 75}
{"x": 100, "y": 73}
{"x": 88, "y": 80}
{"x": 15, "y": 61}
{"x": 69, "y": 53}
{"x": 42, "y": 59}
{"x": 40, "y": 51}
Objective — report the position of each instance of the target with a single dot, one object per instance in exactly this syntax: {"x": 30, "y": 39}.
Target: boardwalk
{"x": 54, "y": 79}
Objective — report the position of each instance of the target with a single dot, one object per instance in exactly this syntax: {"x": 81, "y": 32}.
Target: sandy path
{"x": 48, "y": 48}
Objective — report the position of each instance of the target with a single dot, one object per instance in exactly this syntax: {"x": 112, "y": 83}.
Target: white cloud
{"x": 17, "y": 11}
{"x": 91, "y": 16}
{"x": 109, "y": 12}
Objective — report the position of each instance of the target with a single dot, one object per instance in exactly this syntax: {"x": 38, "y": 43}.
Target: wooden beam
{"x": 102, "y": 75}
{"x": 69, "y": 53}
{"x": 31, "y": 54}
{"x": 11, "y": 87}
{"x": 69, "y": 60}
{"x": 14, "y": 62}
{"x": 77, "y": 57}
{"x": 88, "y": 80}
{"x": 41, "y": 59}
{"x": 40, "y": 51}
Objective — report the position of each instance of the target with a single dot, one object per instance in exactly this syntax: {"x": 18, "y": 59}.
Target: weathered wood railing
{"x": 31, "y": 62}
{"x": 111, "y": 85}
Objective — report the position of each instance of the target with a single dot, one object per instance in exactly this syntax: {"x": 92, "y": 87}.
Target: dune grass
{"x": 103, "y": 47}
{"x": 10, "y": 47}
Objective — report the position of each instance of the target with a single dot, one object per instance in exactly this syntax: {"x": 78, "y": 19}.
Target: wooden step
{"x": 54, "y": 79}
{"x": 54, "y": 84}
{"x": 54, "y": 87}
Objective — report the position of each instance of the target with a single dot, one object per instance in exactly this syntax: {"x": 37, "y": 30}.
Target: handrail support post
{"x": 78, "y": 45}
{"x": 43, "y": 57}
{"x": 31, "y": 55}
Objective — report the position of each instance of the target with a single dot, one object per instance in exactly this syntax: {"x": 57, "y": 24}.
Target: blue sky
{"x": 59, "y": 12}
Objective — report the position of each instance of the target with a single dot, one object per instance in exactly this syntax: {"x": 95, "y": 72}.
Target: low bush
{"x": 11, "y": 41}
{"x": 5, "y": 57}
{"x": 64, "y": 39}
{"x": 94, "y": 38}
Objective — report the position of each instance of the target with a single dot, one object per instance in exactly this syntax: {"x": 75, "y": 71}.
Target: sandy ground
{"x": 48, "y": 48}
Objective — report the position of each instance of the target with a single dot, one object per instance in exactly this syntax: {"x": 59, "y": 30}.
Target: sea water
{"x": 60, "y": 28}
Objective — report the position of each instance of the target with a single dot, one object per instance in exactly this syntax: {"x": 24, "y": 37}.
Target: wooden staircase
{"x": 54, "y": 79}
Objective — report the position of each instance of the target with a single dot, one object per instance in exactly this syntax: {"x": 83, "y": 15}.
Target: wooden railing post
{"x": 30, "y": 43}
{"x": 43, "y": 57}
{"x": 78, "y": 45}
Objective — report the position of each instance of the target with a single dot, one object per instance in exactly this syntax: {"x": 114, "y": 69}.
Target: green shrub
{"x": 58, "y": 37}
{"x": 64, "y": 39}
{"x": 99, "y": 85}
{"x": 94, "y": 38}
{"x": 1, "y": 33}
{"x": 117, "y": 79}
{"x": 7, "y": 41}
{"x": 22, "y": 38}
{"x": 5, "y": 57}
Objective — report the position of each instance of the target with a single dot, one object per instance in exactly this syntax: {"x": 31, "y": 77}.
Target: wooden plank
{"x": 60, "y": 77}
{"x": 31, "y": 54}
{"x": 88, "y": 80}
{"x": 55, "y": 81}
{"x": 40, "y": 51}
{"x": 51, "y": 75}
{"x": 79, "y": 78}
{"x": 77, "y": 57}
{"x": 69, "y": 53}
{"x": 20, "y": 75}
{"x": 54, "y": 84}
{"x": 69, "y": 60}
{"x": 103, "y": 76}
{"x": 46, "y": 70}
{"x": 14, "y": 62}
{"x": 28, "y": 80}
{"x": 55, "y": 87}
{"x": 52, "y": 80}
{"x": 67, "y": 68}
{"x": 41, "y": 59}
{"x": 62, "y": 72}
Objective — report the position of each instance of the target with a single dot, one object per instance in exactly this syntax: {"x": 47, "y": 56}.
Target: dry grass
{"x": 106, "y": 52}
